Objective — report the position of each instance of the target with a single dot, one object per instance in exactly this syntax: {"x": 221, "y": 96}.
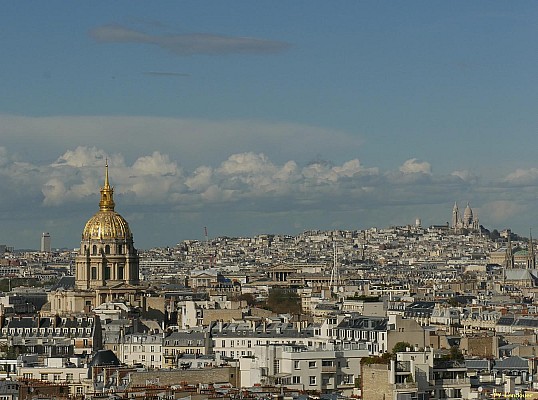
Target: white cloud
{"x": 82, "y": 157}
{"x": 413, "y": 166}
{"x": 200, "y": 180}
{"x": 523, "y": 176}
{"x": 465, "y": 175}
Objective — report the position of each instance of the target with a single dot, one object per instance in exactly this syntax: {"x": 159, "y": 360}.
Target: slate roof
{"x": 364, "y": 323}
{"x": 275, "y": 329}
{"x": 506, "y": 320}
{"x": 477, "y": 364}
{"x": 512, "y": 363}
{"x": 104, "y": 358}
{"x": 420, "y": 308}
{"x": 530, "y": 322}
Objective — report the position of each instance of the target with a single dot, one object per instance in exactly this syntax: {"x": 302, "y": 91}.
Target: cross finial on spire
{"x": 106, "y": 173}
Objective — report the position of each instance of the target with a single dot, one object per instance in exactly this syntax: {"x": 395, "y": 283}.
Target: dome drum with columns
{"x": 107, "y": 256}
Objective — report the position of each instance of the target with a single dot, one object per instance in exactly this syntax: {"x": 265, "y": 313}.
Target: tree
{"x": 283, "y": 301}
{"x": 399, "y": 347}
{"x": 248, "y": 297}
{"x": 456, "y": 354}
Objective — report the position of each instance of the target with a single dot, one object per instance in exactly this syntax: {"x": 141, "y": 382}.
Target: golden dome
{"x": 106, "y": 223}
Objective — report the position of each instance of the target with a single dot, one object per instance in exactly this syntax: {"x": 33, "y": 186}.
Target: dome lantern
{"x": 107, "y": 194}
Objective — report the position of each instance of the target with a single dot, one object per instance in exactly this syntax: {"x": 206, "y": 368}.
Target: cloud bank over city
{"x": 170, "y": 189}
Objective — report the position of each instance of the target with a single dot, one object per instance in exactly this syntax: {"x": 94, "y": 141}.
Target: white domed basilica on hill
{"x": 106, "y": 266}
{"x": 468, "y": 221}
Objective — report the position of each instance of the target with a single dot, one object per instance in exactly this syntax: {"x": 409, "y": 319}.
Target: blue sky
{"x": 266, "y": 117}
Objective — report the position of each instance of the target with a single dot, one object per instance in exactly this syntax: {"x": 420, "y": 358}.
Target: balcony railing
{"x": 453, "y": 381}
{"x": 406, "y": 385}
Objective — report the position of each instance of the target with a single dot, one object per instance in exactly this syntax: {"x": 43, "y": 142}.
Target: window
{"x": 44, "y": 377}
{"x": 107, "y": 249}
{"x": 107, "y": 272}
{"x": 94, "y": 272}
{"x": 120, "y": 272}
{"x": 312, "y": 380}
{"x": 94, "y": 250}
{"x": 311, "y": 364}
{"x": 296, "y": 365}
{"x": 69, "y": 377}
{"x": 295, "y": 380}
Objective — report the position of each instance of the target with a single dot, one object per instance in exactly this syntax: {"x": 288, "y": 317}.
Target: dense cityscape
{"x": 406, "y": 312}
{"x": 295, "y": 200}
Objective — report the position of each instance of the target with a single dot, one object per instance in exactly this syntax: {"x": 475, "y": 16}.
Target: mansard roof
{"x": 364, "y": 323}
{"x": 104, "y": 358}
{"x": 185, "y": 338}
{"x": 273, "y": 329}
{"x": 30, "y": 322}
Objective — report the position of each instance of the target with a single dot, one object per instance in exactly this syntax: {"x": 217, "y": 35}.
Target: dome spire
{"x": 107, "y": 194}
{"x": 106, "y": 174}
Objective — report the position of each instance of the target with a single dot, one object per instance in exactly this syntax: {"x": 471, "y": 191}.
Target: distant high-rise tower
{"x": 45, "y": 242}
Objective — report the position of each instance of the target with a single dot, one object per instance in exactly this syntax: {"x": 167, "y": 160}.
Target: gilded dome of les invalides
{"x": 106, "y": 223}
